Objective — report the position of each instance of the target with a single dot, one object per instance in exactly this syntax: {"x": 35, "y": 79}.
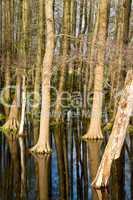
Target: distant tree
{"x": 64, "y": 54}
{"x": 8, "y": 51}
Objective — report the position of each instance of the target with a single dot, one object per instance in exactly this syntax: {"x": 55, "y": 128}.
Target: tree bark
{"x": 21, "y": 128}
{"x": 8, "y": 52}
{"x": 94, "y": 131}
{"x": 43, "y": 145}
{"x": 40, "y": 48}
{"x": 12, "y": 122}
{"x": 91, "y": 53}
{"x": 116, "y": 140}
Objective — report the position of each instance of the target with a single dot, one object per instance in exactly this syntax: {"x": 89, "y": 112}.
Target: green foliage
{"x": 130, "y": 129}
{"x": 2, "y": 116}
{"x": 108, "y": 127}
{"x": 8, "y": 131}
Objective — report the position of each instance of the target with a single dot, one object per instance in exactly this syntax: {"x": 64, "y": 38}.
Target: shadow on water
{"x": 67, "y": 173}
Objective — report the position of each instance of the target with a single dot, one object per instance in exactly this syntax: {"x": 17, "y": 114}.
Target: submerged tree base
{"x": 41, "y": 148}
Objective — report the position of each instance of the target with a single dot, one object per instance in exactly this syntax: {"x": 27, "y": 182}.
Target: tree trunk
{"x": 40, "y": 47}
{"x": 21, "y": 128}
{"x": 43, "y": 145}
{"x": 116, "y": 140}
{"x": 8, "y": 52}
{"x": 94, "y": 131}
{"x": 65, "y": 46}
{"x": 91, "y": 54}
{"x": 12, "y": 122}
{"x": 117, "y": 66}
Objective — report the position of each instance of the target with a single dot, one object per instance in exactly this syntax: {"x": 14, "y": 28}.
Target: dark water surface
{"x": 67, "y": 173}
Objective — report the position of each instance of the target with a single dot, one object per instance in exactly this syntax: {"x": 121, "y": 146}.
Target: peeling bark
{"x": 116, "y": 140}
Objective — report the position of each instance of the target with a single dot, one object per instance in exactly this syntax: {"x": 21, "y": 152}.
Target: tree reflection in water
{"x": 67, "y": 173}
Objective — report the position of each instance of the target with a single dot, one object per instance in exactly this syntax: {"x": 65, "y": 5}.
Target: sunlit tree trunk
{"x": 23, "y": 107}
{"x": 43, "y": 145}
{"x": 117, "y": 137}
{"x": 94, "y": 131}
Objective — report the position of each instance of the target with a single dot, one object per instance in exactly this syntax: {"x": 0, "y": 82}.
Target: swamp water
{"x": 67, "y": 173}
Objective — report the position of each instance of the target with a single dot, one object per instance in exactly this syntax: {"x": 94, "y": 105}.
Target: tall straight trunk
{"x": 43, "y": 145}
{"x": 81, "y": 2}
{"x": 117, "y": 66}
{"x": 8, "y": 52}
{"x": 92, "y": 54}
{"x": 24, "y": 33}
{"x": 92, "y": 37}
{"x": 21, "y": 128}
{"x": 73, "y": 17}
{"x": 21, "y": 140}
{"x": 64, "y": 48}
{"x": 94, "y": 131}
{"x": 40, "y": 47}
{"x": 117, "y": 137}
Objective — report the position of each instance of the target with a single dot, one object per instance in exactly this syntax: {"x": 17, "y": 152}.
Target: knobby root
{"x": 88, "y": 136}
{"x": 41, "y": 149}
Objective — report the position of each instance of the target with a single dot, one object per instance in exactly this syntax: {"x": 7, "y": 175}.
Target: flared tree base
{"x": 11, "y": 126}
{"x": 93, "y": 134}
{"x": 41, "y": 148}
